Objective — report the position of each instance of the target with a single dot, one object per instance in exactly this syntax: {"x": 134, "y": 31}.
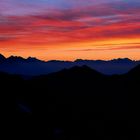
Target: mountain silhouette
{"x": 135, "y": 71}
{"x": 133, "y": 75}
{"x": 78, "y": 102}
{"x": 79, "y": 71}
{"x": 16, "y": 59}
{"x": 34, "y": 67}
{"x": 2, "y": 58}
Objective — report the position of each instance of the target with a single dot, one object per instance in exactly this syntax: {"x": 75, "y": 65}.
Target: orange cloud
{"x": 84, "y": 29}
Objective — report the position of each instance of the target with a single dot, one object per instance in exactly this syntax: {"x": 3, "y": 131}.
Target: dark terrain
{"x": 72, "y": 104}
{"x": 34, "y": 67}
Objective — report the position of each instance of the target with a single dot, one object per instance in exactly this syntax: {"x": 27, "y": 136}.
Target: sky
{"x": 69, "y": 30}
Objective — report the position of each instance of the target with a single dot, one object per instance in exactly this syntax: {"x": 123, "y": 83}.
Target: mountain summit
{"x": 2, "y": 57}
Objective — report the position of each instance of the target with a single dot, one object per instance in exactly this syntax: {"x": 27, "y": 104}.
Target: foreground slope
{"x": 78, "y": 103}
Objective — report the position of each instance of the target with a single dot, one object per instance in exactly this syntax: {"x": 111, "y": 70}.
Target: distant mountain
{"x": 79, "y": 71}
{"x": 74, "y": 74}
{"x": 33, "y": 67}
{"x": 18, "y": 59}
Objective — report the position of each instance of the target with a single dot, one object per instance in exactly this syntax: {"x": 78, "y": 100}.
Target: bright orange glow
{"x": 102, "y": 31}
{"x": 106, "y": 49}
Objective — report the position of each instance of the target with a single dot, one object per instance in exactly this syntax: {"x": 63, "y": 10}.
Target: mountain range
{"x": 77, "y": 102}
{"x": 33, "y": 67}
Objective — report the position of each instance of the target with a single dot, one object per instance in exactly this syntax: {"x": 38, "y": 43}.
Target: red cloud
{"x": 78, "y": 24}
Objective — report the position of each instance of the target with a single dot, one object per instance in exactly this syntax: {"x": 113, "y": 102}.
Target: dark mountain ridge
{"x": 33, "y": 67}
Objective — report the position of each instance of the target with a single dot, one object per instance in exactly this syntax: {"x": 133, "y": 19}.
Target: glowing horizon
{"x": 62, "y": 30}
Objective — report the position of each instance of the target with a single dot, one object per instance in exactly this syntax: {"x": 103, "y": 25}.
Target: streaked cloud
{"x": 55, "y": 23}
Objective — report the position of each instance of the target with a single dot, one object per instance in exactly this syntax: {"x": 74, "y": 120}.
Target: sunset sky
{"x": 70, "y": 29}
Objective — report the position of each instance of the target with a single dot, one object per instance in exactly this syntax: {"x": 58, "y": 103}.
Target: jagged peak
{"x": 2, "y": 56}
{"x": 112, "y": 60}
{"x": 32, "y": 59}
